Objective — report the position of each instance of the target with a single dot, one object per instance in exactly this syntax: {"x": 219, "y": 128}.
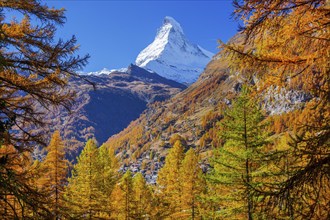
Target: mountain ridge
{"x": 107, "y": 109}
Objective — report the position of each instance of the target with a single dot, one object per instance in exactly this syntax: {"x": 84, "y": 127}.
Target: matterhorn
{"x": 172, "y": 56}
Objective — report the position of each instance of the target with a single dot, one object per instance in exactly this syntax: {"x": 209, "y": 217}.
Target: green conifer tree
{"x": 238, "y": 163}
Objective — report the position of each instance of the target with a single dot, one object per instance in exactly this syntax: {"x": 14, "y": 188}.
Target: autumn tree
{"x": 54, "y": 176}
{"x": 82, "y": 193}
{"x": 20, "y": 197}
{"x": 285, "y": 44}
{"x": 160, "y": 208}
{"x": 34, "y": 71}
{"x": 34, "y": 68}
{"x": 169, "y": 178}
{"x": 193, "y": 185}
{"x": 142, "y": 196}
{"x": 123, "y": 198}
{"x": 176, "y": 137}
{"x": 237, "y": 164}
{"x": 107, "y": 168}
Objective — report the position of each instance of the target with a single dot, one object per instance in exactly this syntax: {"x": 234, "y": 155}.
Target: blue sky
{"x": 114, "y": 32}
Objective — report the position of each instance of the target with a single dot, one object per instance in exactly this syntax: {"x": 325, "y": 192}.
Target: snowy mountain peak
{"x": 169, "y": 21}
{"x": 172, "y": 56}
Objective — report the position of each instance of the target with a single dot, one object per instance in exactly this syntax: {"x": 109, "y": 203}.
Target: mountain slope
{"x": 193, "y": 114}
{"x": 118, "y": 99}
{"x": 172, "y": 56}
{"x": 190, "y": 113}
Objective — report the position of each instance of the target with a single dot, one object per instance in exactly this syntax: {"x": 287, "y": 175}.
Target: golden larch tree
{"x": 82, "y": 193}
{"x": 193, "y": 185}
{"x": 34, "y": 70}
{"x": 142, "y": 197}
{"x": 169, "y": 178}
{"x": 123, "y": 198}
{"x": 55, "y": 168}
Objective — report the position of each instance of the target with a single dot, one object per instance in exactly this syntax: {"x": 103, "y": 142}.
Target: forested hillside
{"x": 194, "y": 115}
{"x": 106, "y": 104}
{"x": 249, "y": 140}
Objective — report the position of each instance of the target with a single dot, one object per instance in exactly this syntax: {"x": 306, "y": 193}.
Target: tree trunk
{"x": 247, "y": 168}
